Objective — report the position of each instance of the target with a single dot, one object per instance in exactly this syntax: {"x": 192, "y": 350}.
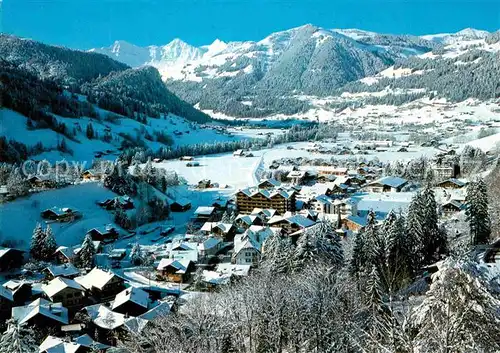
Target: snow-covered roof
{"x": 43, "y": 307}
{"x": 273, "y": 182}
{"x": 6, "y": 293}
{"x": 161, "y": 309}
{"x": 248, "y": 219}
{"x": 300, "y": 220}
{"x": 214, "y": 277}
{"x": 131, "y": 294}
{"x": 58, "y": 284}
{"x": 180, "y": 265}
{"x": 268, "y": 212}
{"x": 252, "y": 191}
{"x": 204, "y": 211}
{"x": 210, "y": 226}
{"x": 210, "y": 243}
{"x": 105, "y": 318}
{"x": 63, "y": 270}
{"x": 4, "y": 251}
{"x": 87, "y": 341}
{"x": 65, "y": 251}
{"x": 182, "y": 201}
{"x": 96, "y": 278}
{"x": 54, "y": 344}
{"x": 232, "y": 269}
{"x": 392, "y": 181}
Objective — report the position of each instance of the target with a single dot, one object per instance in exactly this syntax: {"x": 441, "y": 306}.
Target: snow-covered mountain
{"x": 265, "y": 77}
{"x": 466, "y": 34}
{"x": 175, "y": 52}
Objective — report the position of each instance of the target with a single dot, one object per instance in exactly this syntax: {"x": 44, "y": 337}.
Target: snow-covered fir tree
{"x": 459, "y": 312}
{"x": 49, "y": 245}
{"x": 16, "y": 183}
{"x": 18, "y": 339}
{"x": 36, "y": 245}
{"x": 477, "y": 212}
{"x": 85, "y": 257}
{"x": 136, "y": 256}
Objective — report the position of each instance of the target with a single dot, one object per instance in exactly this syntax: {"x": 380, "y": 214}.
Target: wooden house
{"x": 66, "y": 291}
{"x": 101, "y": 284}
{"x": 91, "y": 175}
{"x": 103, "y": 233}
{"x": 178, "y": 271}
{"x": 451, "y": 183}
{"x": 64, "y": 214}
{"x": 10, "y": 258}
{"x": 180, "y": 205}
{"x": 131, "y": 302}
{"x": 41, "y": 313}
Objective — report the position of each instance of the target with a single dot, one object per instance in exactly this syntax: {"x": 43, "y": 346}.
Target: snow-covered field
{"x": 13, "y": 126}
{"x": 19, "y": 217}
{"x": 240, "y": 172}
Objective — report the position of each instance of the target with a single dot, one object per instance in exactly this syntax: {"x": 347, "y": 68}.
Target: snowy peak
{"x": 178, "y": 50}
{"x": 466, "y": 34}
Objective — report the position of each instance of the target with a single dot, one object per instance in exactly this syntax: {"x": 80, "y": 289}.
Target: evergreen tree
{"x": 306, "y": 252}
{"x": 377, "y": 311}
{"x": 477, "y": 212}
{"x": 36, "y": 245}
{"x": 18, "y": 339}
{"x": 16, "y": 184}
{"x": 49, "y": 245}
{"x": 414, "y": 229}
{"x": 90, "y": 131}
{"x": 136, "y": 255}
{"x": 85, "y": 257}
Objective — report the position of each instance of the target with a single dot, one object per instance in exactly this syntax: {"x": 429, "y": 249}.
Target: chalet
{"x": 101, "y": 284}
{"x": 204, "y": 213}
{"x": 53, "y": 344}
{"x": 311, "y": 214}
{"x": 451, "y": 183}
{"x": 444, "y": 170}
{"x": 322, "y": 204}
{"x": 269, "y": 184}
{"x": 225, "y": 230}
{"x": 193, "y": 164}
{"x": 210, "y": 247}
{"x": 65, "y": 291}
{"x": 180, "y": 205}
{"x": 67, "y": 270}
{"x": 246, "y": 250}
{"x": 220, "y": 203}
{"x": 91, "y": 175}
{"x": 10, "y": 258}
{"x": 41, "y": 313}
{"x": 64, "y": 214}
{"x": 124, "y": 202}
{"x": 278, "y": 199}
{"x": 245, "y": 221}
{"x": 264, "y": 213}
{"x": 175, "y": 270}
{"x": 232, "y": 269}
{"x": 452, "y": 206}
{"x": 6, "y": 303}
{"x": 387, "y": 184}
{"x": 63, "y": 255}
{"x": 297, "y": 176}
{"x": 103, "y": 233}
{"x": 21, "y": 291}
{"x": 41, "y": 182}
{"x": 204, "y": 184}
{"x": 186, "y": 158}
{"x": 239, "y": 153}
{"x": 355, "y": 223}
{"x": 331, "y": 170}
{"x": 131, "y": 301}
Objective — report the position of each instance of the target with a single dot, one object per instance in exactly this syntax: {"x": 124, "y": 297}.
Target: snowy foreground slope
{"x": 13, "y": 126}
{"x": 18, "y": 218}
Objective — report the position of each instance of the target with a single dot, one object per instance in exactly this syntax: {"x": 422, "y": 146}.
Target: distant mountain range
{"x": 257, "y": 79}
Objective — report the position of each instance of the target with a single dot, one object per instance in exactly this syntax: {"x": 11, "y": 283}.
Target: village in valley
{"x": 103, "y": 253}
{"x": 315, "y": 190}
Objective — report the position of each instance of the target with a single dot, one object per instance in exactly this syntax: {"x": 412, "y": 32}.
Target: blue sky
{"x": 85, "y": 24}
